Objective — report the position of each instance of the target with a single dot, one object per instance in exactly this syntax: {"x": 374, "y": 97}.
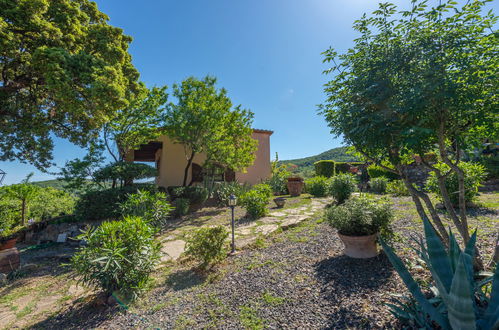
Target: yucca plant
{"x": 460, "y": 301}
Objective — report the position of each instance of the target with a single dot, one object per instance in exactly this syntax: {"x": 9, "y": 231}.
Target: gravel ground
{"x": 296, "y": 279}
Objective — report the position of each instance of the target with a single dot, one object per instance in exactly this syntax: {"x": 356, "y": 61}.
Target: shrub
{"x": 342, "y": 186}
{"x": 264, "y": 189}
{"x": 491, "y": 164}
{"x": 152, "y": 207}
{"x": 474, "y": 174}
{"x": 207, "y": 245}
{"x": 379, "y": 184}
{"x": 255, "y": 202}
{"x": 324, "y": 168}
{"x": 397, "y": 188}
{"x": 223, "y": 190}
{"x": 105, "y": 204}
{"x": 341, "y": 167}
{"x": 279, "y": 178}
{"x": 376, "y": 171}
{"x": 317, "y": 186}
{"x": 195, "y": 195}
{"x": 50, "y": 203}
{"x": 361, "y": 217}
{"x": 462, "y": 302}
{"x": 119, "y": 256}
{"x": 181, "y": 206}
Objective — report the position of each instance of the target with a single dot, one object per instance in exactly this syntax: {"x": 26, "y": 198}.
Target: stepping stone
{"x": 293, "y": 221}
{"x": 266, "y": 229}
{"x": 244, "y": 231}
{"x": 268, "y": 220}
{"x": 278, "y": 214}
{"x": 172, "y": 250}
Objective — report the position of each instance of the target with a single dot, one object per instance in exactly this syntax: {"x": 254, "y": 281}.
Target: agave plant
{"x": 460, "y": 301}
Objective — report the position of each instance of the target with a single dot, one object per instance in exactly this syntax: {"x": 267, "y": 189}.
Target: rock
{"x": 269, "y": 220}
{"x": 278, "y": 214}
{"x": 29, "y": 267}
{"x": 293, "y": 220}
{"x": 266, "y": 229}
{"x": 172, "y": 250}
{"x": 61, "y": 238}
{"x": 9, "y": 260}
{"x": 3, "y": 279}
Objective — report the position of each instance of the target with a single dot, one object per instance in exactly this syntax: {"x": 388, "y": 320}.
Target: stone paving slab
{"x": 172, "y": 250}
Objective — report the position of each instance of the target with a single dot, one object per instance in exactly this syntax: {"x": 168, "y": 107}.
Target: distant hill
{"x": 305, "y": 166}
{"x": 57, "y": 184}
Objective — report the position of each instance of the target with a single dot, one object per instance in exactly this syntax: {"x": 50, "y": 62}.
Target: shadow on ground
{"x": 184, "y": 279}
{"x": 349, "y": 276}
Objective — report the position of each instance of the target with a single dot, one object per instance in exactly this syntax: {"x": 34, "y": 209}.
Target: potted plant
{"x": 295, "y": 186}
{"x": 280, "y": 201}
{"x": 359, "y": 221}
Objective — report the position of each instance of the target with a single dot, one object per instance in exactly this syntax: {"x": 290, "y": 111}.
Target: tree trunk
{"x": 495, "y": 257}
{"x": 186, "y": 171}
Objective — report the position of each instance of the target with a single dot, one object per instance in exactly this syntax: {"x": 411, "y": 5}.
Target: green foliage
{"x": 119, "y": 256}
{"x": 137, "y": 123}
{"x": 379, "y": 185}
{"x": 474, "y": 174}
{"x": 195, "y": 195}
{"x": 278, "y": 177}
{"x": 50, "y": 203}
{"x": 397, "y": 188}
{"x": 223, "y": 190}
{"x": 344, "y": 167}
{"x": 79, "y": 174}
{"x": 203, "y": 121}
{"x": 152, "y": 207}
{"x": 10, "y": 213}
{"x": 376, "y": 171}
{"x": 181, "y": 206}
{"x": 125, "y": 172}
{"x": 65, "y": 72}
{"x": 23, "y": 193}
{"x": 491, "y": 164}
{"x": 306, "y": 165}
{"x": 460, "y": 301}
{"x": 361, "y": 217}
{"x": 207, "y": 245}
{"x": 342, "y": 186}
{"x": 256, "y": 200}
{"x": 324, "y": 168}
{"x": 317, "y": 186}
{"x": 105, "y": 204}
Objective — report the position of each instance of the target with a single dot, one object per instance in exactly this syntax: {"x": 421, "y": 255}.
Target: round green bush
{"x": 207, "y": 245}
{"x": 324, "y": 168}
{"x": 255, "y": 202}
{"x": 119, "y": 256}
{"x": 378, "y": 185}
{"x": 195, "y": 195}
{"x": 154, "y": 207}
{"x": 361, "y": 216}
{"x": 342, "y": 186}
{"x": 474, "y": 174}
{"x": 317, "y": 186}
{"x": 223, "y": 190}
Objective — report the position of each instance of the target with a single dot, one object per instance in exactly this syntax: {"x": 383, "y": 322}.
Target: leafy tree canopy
{"x": 204, "y": 121}
{"x": 64, "y": 72}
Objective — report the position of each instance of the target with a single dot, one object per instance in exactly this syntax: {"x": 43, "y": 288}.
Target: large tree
{"x": 138, "y": 123}
{"x": 204, "y": 121}
{"x": 64, "y": 71}
{"x": 415, "y": 81}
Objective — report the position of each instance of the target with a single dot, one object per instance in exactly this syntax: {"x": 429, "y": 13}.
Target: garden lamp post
{"x": 232, "y": 204}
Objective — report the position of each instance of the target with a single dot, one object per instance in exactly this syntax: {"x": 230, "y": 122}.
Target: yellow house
{"x": 171, "y": 161}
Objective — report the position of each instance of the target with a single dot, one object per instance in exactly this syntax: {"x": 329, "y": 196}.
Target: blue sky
{"x": 266, "y": 53}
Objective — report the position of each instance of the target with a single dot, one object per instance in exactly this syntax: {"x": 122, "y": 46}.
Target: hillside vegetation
{"x": 305, "y": 166}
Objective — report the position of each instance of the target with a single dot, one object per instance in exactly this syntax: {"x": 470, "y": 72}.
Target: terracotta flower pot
{"x": 280, "y": 201}
{"x": 360, "y": 246}
{"x": 9, "y": 244}
{"x": 295, "y": 186}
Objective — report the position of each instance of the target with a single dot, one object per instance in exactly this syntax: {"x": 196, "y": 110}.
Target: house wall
{"x": 260, "y": 170}
{"x": 172, "y": 162}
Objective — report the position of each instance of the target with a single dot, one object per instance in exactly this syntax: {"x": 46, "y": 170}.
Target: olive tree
{"x": 204, "y": 121}
{"x": 416, "y": 81}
